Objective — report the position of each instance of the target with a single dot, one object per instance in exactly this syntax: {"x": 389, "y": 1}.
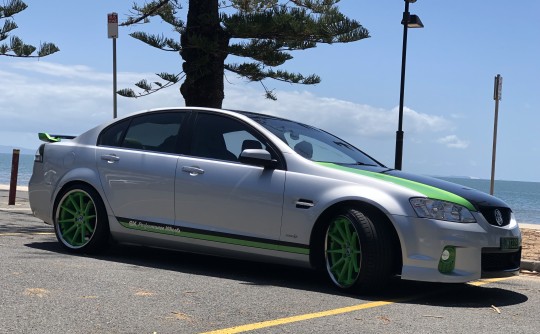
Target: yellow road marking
{"x": 11, "y": 234}
{"x": 309, "y": 316}
{"x": 288, "y": 320}
{"x": 489, "y": 280}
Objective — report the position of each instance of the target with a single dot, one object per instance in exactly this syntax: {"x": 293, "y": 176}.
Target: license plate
{"x": 510, "y": 243}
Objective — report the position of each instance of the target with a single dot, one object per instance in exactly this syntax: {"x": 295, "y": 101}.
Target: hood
{"x": 477, "y": 198}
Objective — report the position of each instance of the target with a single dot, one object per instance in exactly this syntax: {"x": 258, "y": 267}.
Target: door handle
{"x": 193, "y": 171}
{"x": 110, "y": 158}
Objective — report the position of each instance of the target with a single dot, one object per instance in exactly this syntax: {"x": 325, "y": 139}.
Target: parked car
{"x": 241, "y": 184}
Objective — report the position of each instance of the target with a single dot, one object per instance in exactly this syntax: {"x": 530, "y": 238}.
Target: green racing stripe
{"x": 424, "y": 189}
{"x": 212, "y": 236}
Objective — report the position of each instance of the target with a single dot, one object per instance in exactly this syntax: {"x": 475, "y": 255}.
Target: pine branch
{"x": 267, "y": 52}
{"x": 166, "y": 9}
{"x": 290, "y": 25}
{"x": 148, "y": 88}
{"x": 9, "y": 25}
{"x": 16, "y": 47}
{"x": 46, "y": 49}
{"x": 256, "y": 72}
{"x": 13, "y": 7}
{"x": 148, "y": 10}
{"x": 316, "y": 6}
{"x": 157, "y": 41}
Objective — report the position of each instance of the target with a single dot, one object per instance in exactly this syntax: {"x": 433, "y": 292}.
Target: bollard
{"x": 14, "y": 173}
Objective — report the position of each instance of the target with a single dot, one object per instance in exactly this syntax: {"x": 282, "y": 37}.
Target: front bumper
{"x": 476, "y": 249}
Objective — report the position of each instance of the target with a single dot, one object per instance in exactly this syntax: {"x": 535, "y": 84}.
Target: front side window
{"x": 312, "y": 143}
{"x": 223, "y": 138}
{"x": 151, "y": 132}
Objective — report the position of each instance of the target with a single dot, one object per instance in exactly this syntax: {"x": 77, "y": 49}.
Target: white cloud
{"x": 452, "y": 141}
{"x": 42, "y": 96}
{"x": 59, "y": 70}
{"x": 337, "y": 116}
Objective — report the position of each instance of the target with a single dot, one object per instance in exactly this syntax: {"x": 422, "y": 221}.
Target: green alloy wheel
{"x": 343, "y": 254}
{"x": 80, "y": 221}
{"x": 358, "y": 254}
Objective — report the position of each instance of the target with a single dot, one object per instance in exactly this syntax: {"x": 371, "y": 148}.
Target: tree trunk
{"x": 204, "y": 49}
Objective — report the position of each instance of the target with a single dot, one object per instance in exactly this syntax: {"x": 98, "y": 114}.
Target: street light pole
{"x": 408, "y": 21}
{"x": 497, "y": 96}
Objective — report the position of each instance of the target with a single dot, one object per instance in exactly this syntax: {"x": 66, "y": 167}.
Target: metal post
{"x": 114, "y": 79}
{"x": 497, "y": 97}
{"x": 399, "y": 132}
{"x": 14, "y": 174}
{"x": 112, "y": 32}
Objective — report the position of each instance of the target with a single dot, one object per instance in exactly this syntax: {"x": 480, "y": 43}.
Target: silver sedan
{"x": 240, "y": 184}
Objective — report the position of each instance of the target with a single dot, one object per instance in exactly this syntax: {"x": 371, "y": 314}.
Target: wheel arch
{"x": 85, "y": 176}
{"x": 68, "y": 184}
{"x": 319, "y": 229}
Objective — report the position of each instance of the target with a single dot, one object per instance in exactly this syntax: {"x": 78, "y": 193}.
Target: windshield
{"x": 312, "y": 143}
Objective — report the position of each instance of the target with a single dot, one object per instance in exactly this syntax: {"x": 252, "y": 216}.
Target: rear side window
{"x": 150, "y": 132}
{"x": 113, "y": 135}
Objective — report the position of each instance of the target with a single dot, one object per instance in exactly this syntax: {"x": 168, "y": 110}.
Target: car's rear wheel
{"x": 80, "y": 220}
{"x": 358, "y": 253}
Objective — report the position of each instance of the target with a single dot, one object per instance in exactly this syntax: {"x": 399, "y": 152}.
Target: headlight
{"x": 441, "y": 210}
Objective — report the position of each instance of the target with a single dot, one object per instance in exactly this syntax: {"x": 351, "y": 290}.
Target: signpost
{"x": 497, "y": 95}
{"x": 112, "y": 29}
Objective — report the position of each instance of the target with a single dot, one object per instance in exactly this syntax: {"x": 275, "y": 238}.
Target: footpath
{"x": 530, "y": 257}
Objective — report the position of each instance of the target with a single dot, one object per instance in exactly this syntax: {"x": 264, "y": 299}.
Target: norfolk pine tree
{"x": 16, "y": 47}
{"x": 258, "y": 36}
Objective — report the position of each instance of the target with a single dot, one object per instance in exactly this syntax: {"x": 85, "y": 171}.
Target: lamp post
{"x": 408, "y": 21}
{"x": 497, "y": 96}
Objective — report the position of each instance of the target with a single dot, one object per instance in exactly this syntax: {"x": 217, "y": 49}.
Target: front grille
{"x": 500, "y": 261}
{"x": 497, "y": 216}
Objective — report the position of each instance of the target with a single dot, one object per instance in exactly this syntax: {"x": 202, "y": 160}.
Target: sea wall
{"x": 530, "y": 243}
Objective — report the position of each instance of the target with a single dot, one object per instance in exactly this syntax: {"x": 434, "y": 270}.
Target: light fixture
{"x": 414, "y": 22}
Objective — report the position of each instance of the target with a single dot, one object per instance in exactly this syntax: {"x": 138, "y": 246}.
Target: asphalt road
{"x": 141, "y": 290}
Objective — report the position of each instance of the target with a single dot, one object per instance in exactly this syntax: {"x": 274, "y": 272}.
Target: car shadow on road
{"x": 267, "y": 274}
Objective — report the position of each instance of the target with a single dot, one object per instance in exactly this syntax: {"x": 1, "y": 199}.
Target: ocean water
{"x": 26, "y": 163}
{"x": 523, "y": 197}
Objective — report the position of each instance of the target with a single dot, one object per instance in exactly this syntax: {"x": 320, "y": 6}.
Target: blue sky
{"x": 449, "y": 107}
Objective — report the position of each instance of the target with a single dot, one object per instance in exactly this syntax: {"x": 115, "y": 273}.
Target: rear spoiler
{"x": 52, "y": 138}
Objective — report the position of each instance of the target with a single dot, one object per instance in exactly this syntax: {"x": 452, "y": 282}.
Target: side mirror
{"x": 257, "y": 157}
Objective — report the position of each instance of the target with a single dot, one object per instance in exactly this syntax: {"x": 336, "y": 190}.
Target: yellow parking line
{"x": 288, "y": 320}
{"x": 309, "y": 316}
{"x": 22, "y": 233}
{"x": 489, "y": 280}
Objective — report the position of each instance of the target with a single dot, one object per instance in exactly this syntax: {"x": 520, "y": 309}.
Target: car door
{"x": 218, "y": 196}
{"x": 137, "y": 165}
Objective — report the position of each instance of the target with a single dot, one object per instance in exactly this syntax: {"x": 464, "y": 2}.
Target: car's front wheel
{"x": 80, "y": 220}
{"x": 357, "y": 251}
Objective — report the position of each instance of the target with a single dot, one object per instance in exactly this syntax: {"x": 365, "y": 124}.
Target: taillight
{"x": 39, "y": 153}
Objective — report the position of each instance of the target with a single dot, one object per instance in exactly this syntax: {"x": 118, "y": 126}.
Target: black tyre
{"x": 80, "y": 220}
{"x": 357, "y": 252}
